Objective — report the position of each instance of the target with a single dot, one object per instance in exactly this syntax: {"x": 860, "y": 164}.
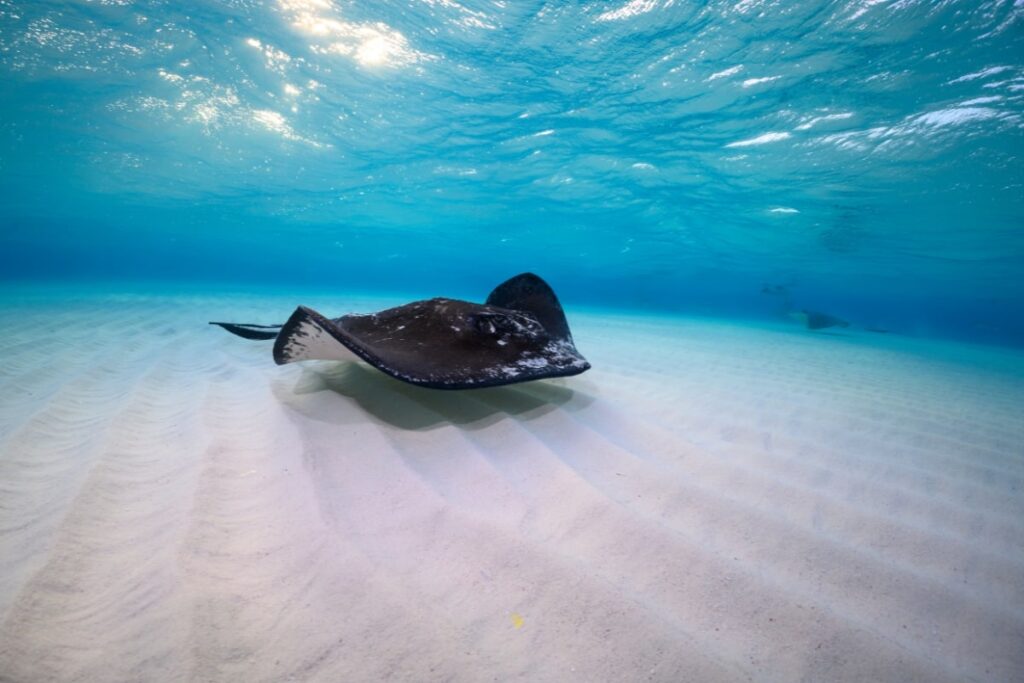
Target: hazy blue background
{"x": 642, "y": 154}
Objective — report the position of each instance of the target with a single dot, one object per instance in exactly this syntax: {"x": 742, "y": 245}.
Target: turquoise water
{"x": 674, "y": 156}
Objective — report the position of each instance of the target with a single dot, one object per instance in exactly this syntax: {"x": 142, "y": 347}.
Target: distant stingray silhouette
{"x": 812, "y": 320}
{"x": 816, "y": 320}
{"x": 519, "y": 334}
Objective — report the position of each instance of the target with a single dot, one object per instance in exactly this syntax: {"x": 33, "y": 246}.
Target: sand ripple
{"x": 711, "y": 502}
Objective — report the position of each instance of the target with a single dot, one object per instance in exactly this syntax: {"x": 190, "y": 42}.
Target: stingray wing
{"x": 309, "y": 335}
{"x": 437, "y": 343}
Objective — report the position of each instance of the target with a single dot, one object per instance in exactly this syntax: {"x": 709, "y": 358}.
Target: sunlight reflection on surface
{"x": 369, "y": 44}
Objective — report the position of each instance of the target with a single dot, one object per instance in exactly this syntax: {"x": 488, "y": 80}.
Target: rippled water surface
{"x": 864, "y": 154}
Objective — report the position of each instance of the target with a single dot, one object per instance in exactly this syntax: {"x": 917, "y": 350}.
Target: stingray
{"x": 519, "y": 334}
{"x": 815, "y": 320}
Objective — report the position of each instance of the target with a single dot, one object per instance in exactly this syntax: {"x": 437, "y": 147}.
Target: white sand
{"x": 710, "y": 502}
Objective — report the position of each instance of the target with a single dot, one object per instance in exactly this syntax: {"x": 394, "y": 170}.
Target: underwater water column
{"x": 631, "y": 340}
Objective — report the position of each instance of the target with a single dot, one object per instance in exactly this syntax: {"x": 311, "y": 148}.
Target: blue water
{"x": 650, "y": 154}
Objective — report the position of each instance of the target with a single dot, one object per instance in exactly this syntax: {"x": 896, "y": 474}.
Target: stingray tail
{"x": 248, "y": 331}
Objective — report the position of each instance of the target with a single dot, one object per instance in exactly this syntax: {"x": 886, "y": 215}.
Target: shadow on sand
{"x": 409, "y": 407}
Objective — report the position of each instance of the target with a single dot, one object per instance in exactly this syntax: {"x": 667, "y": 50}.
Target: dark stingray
{"x": 519, "y": 334}
{"x": 819, "y": 321}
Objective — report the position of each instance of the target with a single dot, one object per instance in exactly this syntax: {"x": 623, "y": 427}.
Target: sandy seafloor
{"x": 712, "y": 502}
